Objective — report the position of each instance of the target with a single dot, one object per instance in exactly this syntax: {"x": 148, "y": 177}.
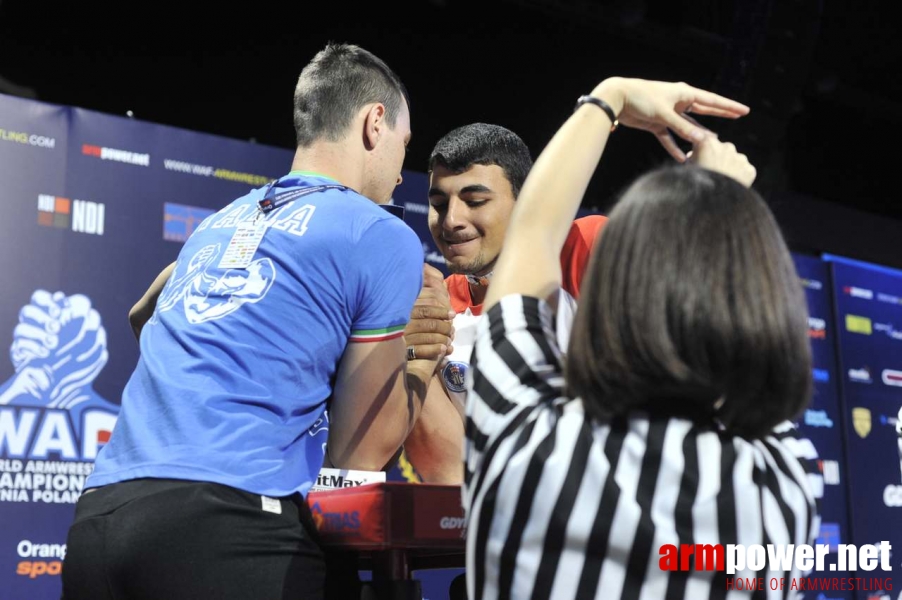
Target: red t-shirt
{"x": 574, "y": 258}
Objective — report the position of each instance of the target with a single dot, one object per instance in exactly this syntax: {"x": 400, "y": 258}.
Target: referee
{"x": 689, "y": 355}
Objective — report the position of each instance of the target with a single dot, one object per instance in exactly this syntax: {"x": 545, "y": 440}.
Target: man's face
{"x": 392, "y": 149}
{"x": 468, "y": 216}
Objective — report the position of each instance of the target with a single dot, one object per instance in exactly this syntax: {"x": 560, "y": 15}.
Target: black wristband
{"x": 600, "y": 104}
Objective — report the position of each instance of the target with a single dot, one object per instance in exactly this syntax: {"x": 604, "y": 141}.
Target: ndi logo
{"x": 87, "y": 217}
{"x": 81, "y": 216}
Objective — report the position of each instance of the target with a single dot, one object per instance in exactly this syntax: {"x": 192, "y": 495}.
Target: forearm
{"x": 139, "y": 314}
{"x": 143, "y": 309}
{"x": 419, "y": 374}
{"x": 549, "y": 201}
{"x": 367, "y": 429}
{"x": 435, "y": 445}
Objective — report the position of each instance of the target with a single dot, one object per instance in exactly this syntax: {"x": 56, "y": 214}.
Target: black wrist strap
{"x": 587, "y": 99}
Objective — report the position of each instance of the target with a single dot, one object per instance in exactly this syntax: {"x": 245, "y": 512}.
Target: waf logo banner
{"x": 52, "y": 422}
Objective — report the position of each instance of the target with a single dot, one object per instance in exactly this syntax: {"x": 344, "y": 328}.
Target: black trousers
{"x": 155, "y": 539}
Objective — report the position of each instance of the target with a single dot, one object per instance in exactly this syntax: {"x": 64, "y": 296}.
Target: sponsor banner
{"x": 891, "y": 377}
{"x": 858, "y": 324}
{"x": 812, "y": 284}
{"x": 820, "y": 375}
{"x": 53, "y": 423}
{"x": 889, "y": 330}
{"x": 39, "y": 559}
{"x": 390, "y": 515}
{"x": 817, "y": 418}
{"x": 353, "y": 515}
{"x": 889, "y": 298}
{"x": 116, "y": 155}
{"x": 860, "y": 375}
{"x": 868, "y": 347}
{"x": 80, "y": 216}
{"x": 181, "y": 220}
{"x": 825, "y": 422}
{"x": 830, "y": 470}
{"x": 857, "y": 292}
{"x": 439, "y": 515}
{"x": 817, "y": 328}
{"x": 30, "y": 130}
{"x": 336, "y": 479}
{"x": 219, "y": 173}
{"x": 28, "y": 139}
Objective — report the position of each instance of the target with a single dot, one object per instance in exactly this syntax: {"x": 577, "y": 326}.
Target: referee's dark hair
{"x": 692, "y": 303}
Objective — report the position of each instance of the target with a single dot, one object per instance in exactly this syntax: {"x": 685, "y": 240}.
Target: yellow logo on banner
{"x": 861, "y": 419}
{"x": 857, "y": 324}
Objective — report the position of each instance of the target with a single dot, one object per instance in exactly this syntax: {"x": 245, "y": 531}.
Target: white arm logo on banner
{"x": 58, "y": 349}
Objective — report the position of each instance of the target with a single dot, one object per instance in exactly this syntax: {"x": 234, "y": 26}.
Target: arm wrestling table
{"x": 395, "y": 529}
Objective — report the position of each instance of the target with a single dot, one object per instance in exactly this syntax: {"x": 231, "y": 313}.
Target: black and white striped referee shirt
{"x": 563, "y": 507}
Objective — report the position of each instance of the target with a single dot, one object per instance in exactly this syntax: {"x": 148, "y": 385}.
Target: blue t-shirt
{"x": 237, "y": 363}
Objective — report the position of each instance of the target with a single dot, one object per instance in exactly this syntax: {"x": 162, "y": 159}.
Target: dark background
{"x": 823, "y": 78}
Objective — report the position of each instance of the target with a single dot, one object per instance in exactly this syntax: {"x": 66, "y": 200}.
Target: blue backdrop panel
{"x": 869, "y": 324}
{"x": 822, "y": 422}
{"x": 87, "y": 197}
{"x": 29, "y": 172}
{"x": 35, "y": 509}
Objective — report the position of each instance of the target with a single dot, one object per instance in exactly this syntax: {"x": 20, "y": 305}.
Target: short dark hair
{"x": 339, "y": 81}
{"x": 483, "y": 144}
{"x": 692, "y": 297}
